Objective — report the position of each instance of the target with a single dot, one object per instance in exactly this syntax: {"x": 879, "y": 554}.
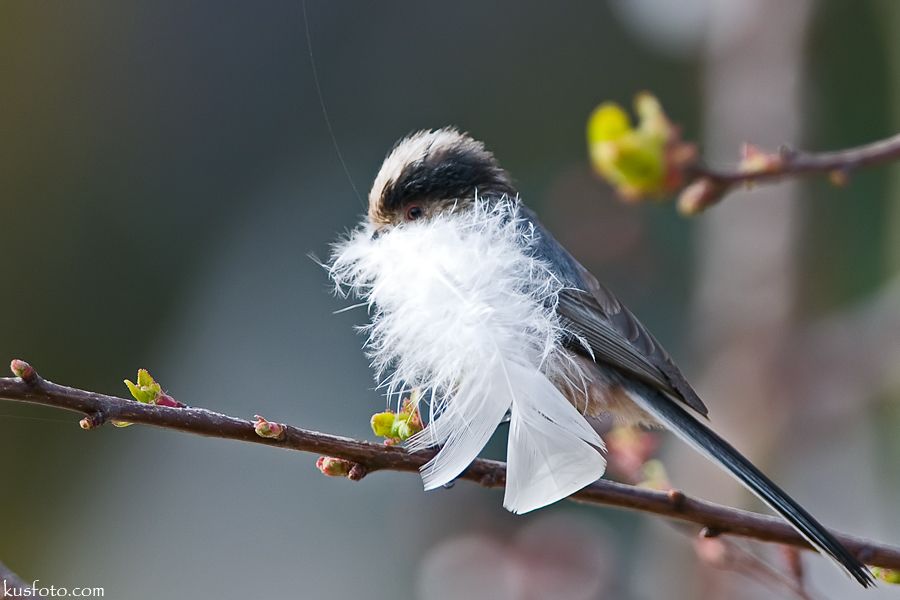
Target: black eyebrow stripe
{"x": 453, "y": 173}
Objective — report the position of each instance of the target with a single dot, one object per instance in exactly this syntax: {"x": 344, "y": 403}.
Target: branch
{"x": 651, "y": 160}
{"x": 715, "y": 519}
{"x": 710, "y": 185}
{"x": 9, "y": 581}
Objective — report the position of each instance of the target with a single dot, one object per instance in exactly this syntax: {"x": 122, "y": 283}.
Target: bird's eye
{"x": 413, "y": 212}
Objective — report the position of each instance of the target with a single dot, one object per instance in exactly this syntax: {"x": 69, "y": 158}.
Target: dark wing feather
{"x": 615, "y": 336}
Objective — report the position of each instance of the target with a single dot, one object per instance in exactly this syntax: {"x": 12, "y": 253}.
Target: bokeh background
{"x": 166, "y": 170}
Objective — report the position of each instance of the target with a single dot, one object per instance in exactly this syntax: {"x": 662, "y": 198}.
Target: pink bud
{"x": 23, "y": 370}
{"x": 268, "y": 429}
{"x": 757, "y": 162}
{"x": 700, "y": 195}
{"x": 166, "y": 400}
{"x": 335, "y": 467}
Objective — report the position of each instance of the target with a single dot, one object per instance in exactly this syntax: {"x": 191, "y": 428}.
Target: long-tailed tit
{"x": 475, "y": 302}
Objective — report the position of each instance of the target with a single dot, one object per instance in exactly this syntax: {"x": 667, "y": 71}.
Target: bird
{"x": 474, "y": 303}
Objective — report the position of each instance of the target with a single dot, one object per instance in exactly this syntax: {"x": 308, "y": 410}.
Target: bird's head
{"x": 431, "y": 172}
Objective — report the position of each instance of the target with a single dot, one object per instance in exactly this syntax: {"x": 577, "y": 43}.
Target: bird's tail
{"x": 707, "y": 442}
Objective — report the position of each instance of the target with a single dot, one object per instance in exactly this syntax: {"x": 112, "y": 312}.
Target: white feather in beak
{"x": 460, "y": 306}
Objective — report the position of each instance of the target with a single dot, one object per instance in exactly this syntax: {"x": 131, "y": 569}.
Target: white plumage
{"x": 461, "y": 307}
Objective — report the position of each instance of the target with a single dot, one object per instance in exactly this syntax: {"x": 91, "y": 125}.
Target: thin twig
{"x": 713, "y": 518}
{"x": 801, "y": 163}
{"x": 711, "y": 184}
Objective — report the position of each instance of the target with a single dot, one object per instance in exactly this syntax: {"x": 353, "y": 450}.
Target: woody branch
{"x": 368, "y": 457}
{"x": 711, "y": 184}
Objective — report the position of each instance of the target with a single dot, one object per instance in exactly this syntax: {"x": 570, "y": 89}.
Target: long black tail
{"x": 703, "y": 439}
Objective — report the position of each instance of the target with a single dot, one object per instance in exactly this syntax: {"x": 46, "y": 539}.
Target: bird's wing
{"x": 615, "y": 337}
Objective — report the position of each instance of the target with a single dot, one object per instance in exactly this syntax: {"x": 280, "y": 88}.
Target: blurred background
{"x": 166, "y": 171}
